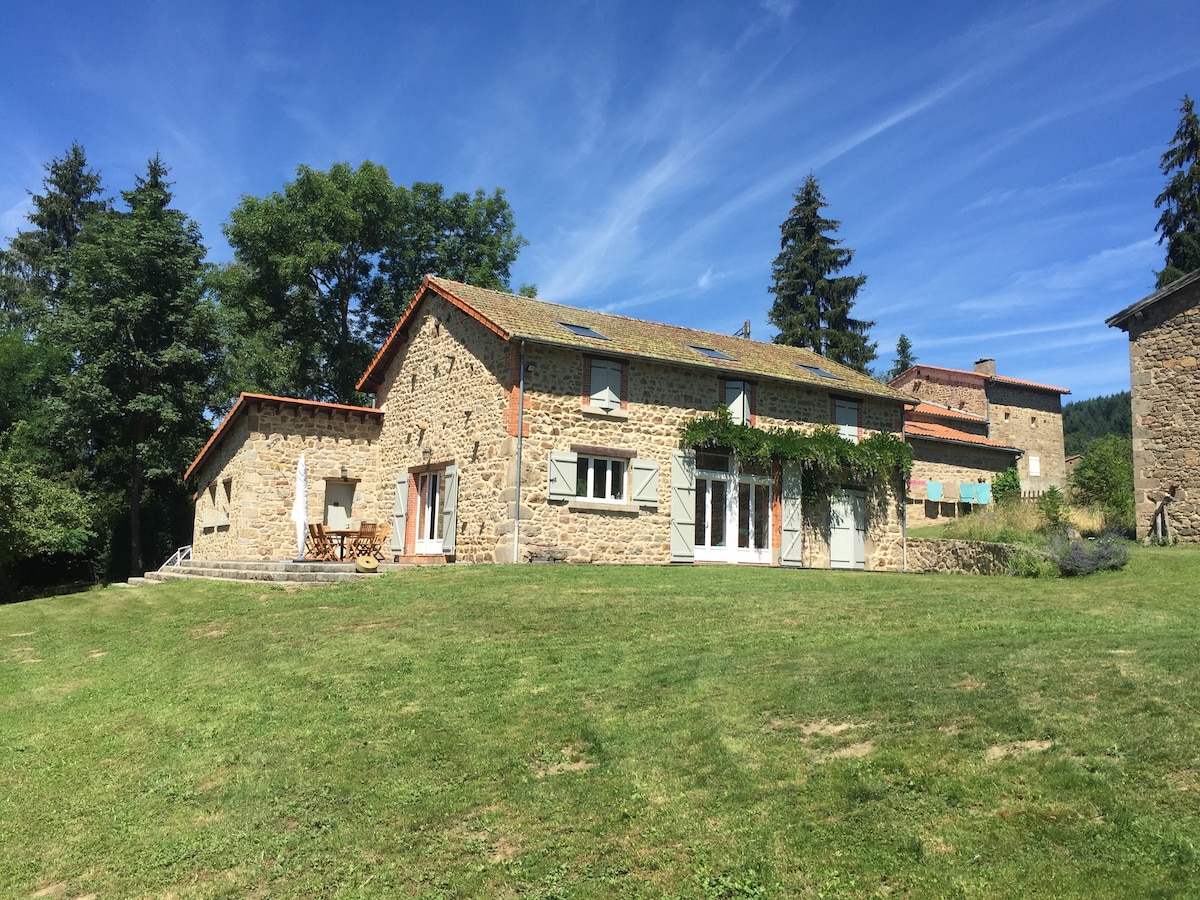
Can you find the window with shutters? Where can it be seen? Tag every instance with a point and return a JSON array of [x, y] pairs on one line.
[[597, 478], [594, 476], [847, 417], [604, 385], [738, 395]]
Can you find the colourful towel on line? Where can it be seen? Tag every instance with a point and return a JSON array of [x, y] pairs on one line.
[[966, 492], [933, 490]]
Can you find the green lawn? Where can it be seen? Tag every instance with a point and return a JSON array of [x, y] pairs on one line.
[[554, 731]]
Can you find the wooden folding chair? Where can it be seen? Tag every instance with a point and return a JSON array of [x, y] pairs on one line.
[[381, 537], [319, 545], [363, 543]]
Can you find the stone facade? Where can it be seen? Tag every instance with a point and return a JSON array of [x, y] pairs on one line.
[[1164, 349], [1017, 414], [438, 457], [247, 486], [952, 465]]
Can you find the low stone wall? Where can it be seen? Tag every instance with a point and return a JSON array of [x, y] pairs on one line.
[[959, 557]]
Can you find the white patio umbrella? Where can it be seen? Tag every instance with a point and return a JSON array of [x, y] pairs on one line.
[[300, 505]]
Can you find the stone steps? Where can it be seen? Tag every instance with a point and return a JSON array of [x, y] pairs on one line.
[[283, 571]]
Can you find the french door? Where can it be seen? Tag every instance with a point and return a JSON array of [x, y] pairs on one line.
[[733, 517]]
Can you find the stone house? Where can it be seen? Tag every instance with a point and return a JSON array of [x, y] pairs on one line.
[[1164, 346], [969, 426], [506, 429]]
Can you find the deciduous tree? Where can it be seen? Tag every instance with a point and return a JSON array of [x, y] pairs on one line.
[[813, 304], [1179, 224], [324, 269]]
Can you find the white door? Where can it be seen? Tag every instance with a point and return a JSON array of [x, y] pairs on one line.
[[733, 517], [848, 530], [430, 496]]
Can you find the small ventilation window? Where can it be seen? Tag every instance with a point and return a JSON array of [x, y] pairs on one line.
[[817, 370], [710, 352], [583, 331]]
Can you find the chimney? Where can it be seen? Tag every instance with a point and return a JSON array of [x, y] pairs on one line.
[[985, 366]]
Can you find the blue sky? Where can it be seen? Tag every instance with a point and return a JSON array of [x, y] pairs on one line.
[[994, 165]]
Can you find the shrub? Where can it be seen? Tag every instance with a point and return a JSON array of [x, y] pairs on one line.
[[1075, 557], [1030, 562], [1053, 507], [1007, 484], [1104, 478]]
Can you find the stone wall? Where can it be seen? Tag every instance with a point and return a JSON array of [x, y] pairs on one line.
[[1164, 350], [1032, 420], [661, 398], [444, 401], [250, 483], [953, 465], [964, 391], [959, 557]]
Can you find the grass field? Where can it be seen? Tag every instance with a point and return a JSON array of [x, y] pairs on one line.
[[553, 731]]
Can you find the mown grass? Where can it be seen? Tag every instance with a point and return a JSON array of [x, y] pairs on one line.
[[608, 732]]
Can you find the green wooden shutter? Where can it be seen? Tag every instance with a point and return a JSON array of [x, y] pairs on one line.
[[562, 475], [792, 546], [683, 506], [450, 509], [645, 481], [400, 513]]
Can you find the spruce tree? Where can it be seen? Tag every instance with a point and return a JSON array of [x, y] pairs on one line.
[[812, 307], [1179, 224], [143, 344], [904, 360]]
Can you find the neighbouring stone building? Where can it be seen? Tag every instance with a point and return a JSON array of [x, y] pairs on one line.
[[506, 429], [969, 426], [1164, 375]]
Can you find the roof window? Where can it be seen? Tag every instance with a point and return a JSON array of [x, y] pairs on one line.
[[817, 370], [710, 352], [583, 331]]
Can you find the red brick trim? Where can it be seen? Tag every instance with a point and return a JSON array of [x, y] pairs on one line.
[[587, 377], [512, 409]]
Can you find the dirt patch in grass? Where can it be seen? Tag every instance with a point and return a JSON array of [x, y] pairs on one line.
[[210, 630], [854, 751], [1185, 780], [1016, 748], [570, 758]]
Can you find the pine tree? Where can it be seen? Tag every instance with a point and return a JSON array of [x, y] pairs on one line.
[[904, 359], [811, 308], [143, 344], [1179, 224]]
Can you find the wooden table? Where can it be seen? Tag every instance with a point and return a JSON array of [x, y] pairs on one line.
[[341, 534]]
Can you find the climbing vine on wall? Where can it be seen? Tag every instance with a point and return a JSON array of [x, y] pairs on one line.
[[829, 460]]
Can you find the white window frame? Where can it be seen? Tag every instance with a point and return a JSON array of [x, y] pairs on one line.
[[605, 384], [1035, 467], [614, 489]]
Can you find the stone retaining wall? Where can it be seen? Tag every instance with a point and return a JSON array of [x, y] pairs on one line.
[[959, 557]]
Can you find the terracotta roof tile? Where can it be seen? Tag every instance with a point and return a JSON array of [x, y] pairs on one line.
[[944, 412], [981, 375], [936, 432], [516, 318]]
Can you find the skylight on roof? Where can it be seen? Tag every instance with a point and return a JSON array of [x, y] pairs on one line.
[[583, 331], [710, 352], [817, 370]]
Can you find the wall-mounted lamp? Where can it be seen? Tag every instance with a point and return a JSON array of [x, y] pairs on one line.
[[343, 470], [426, 454]]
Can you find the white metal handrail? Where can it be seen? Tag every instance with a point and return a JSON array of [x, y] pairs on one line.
[[183, 553]]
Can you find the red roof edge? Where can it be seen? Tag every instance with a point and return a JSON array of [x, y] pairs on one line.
[[1000, 378], [372, 378], [245, 399]]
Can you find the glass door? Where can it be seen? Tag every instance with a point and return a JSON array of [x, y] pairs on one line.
[[430, 494], [733, 513]]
